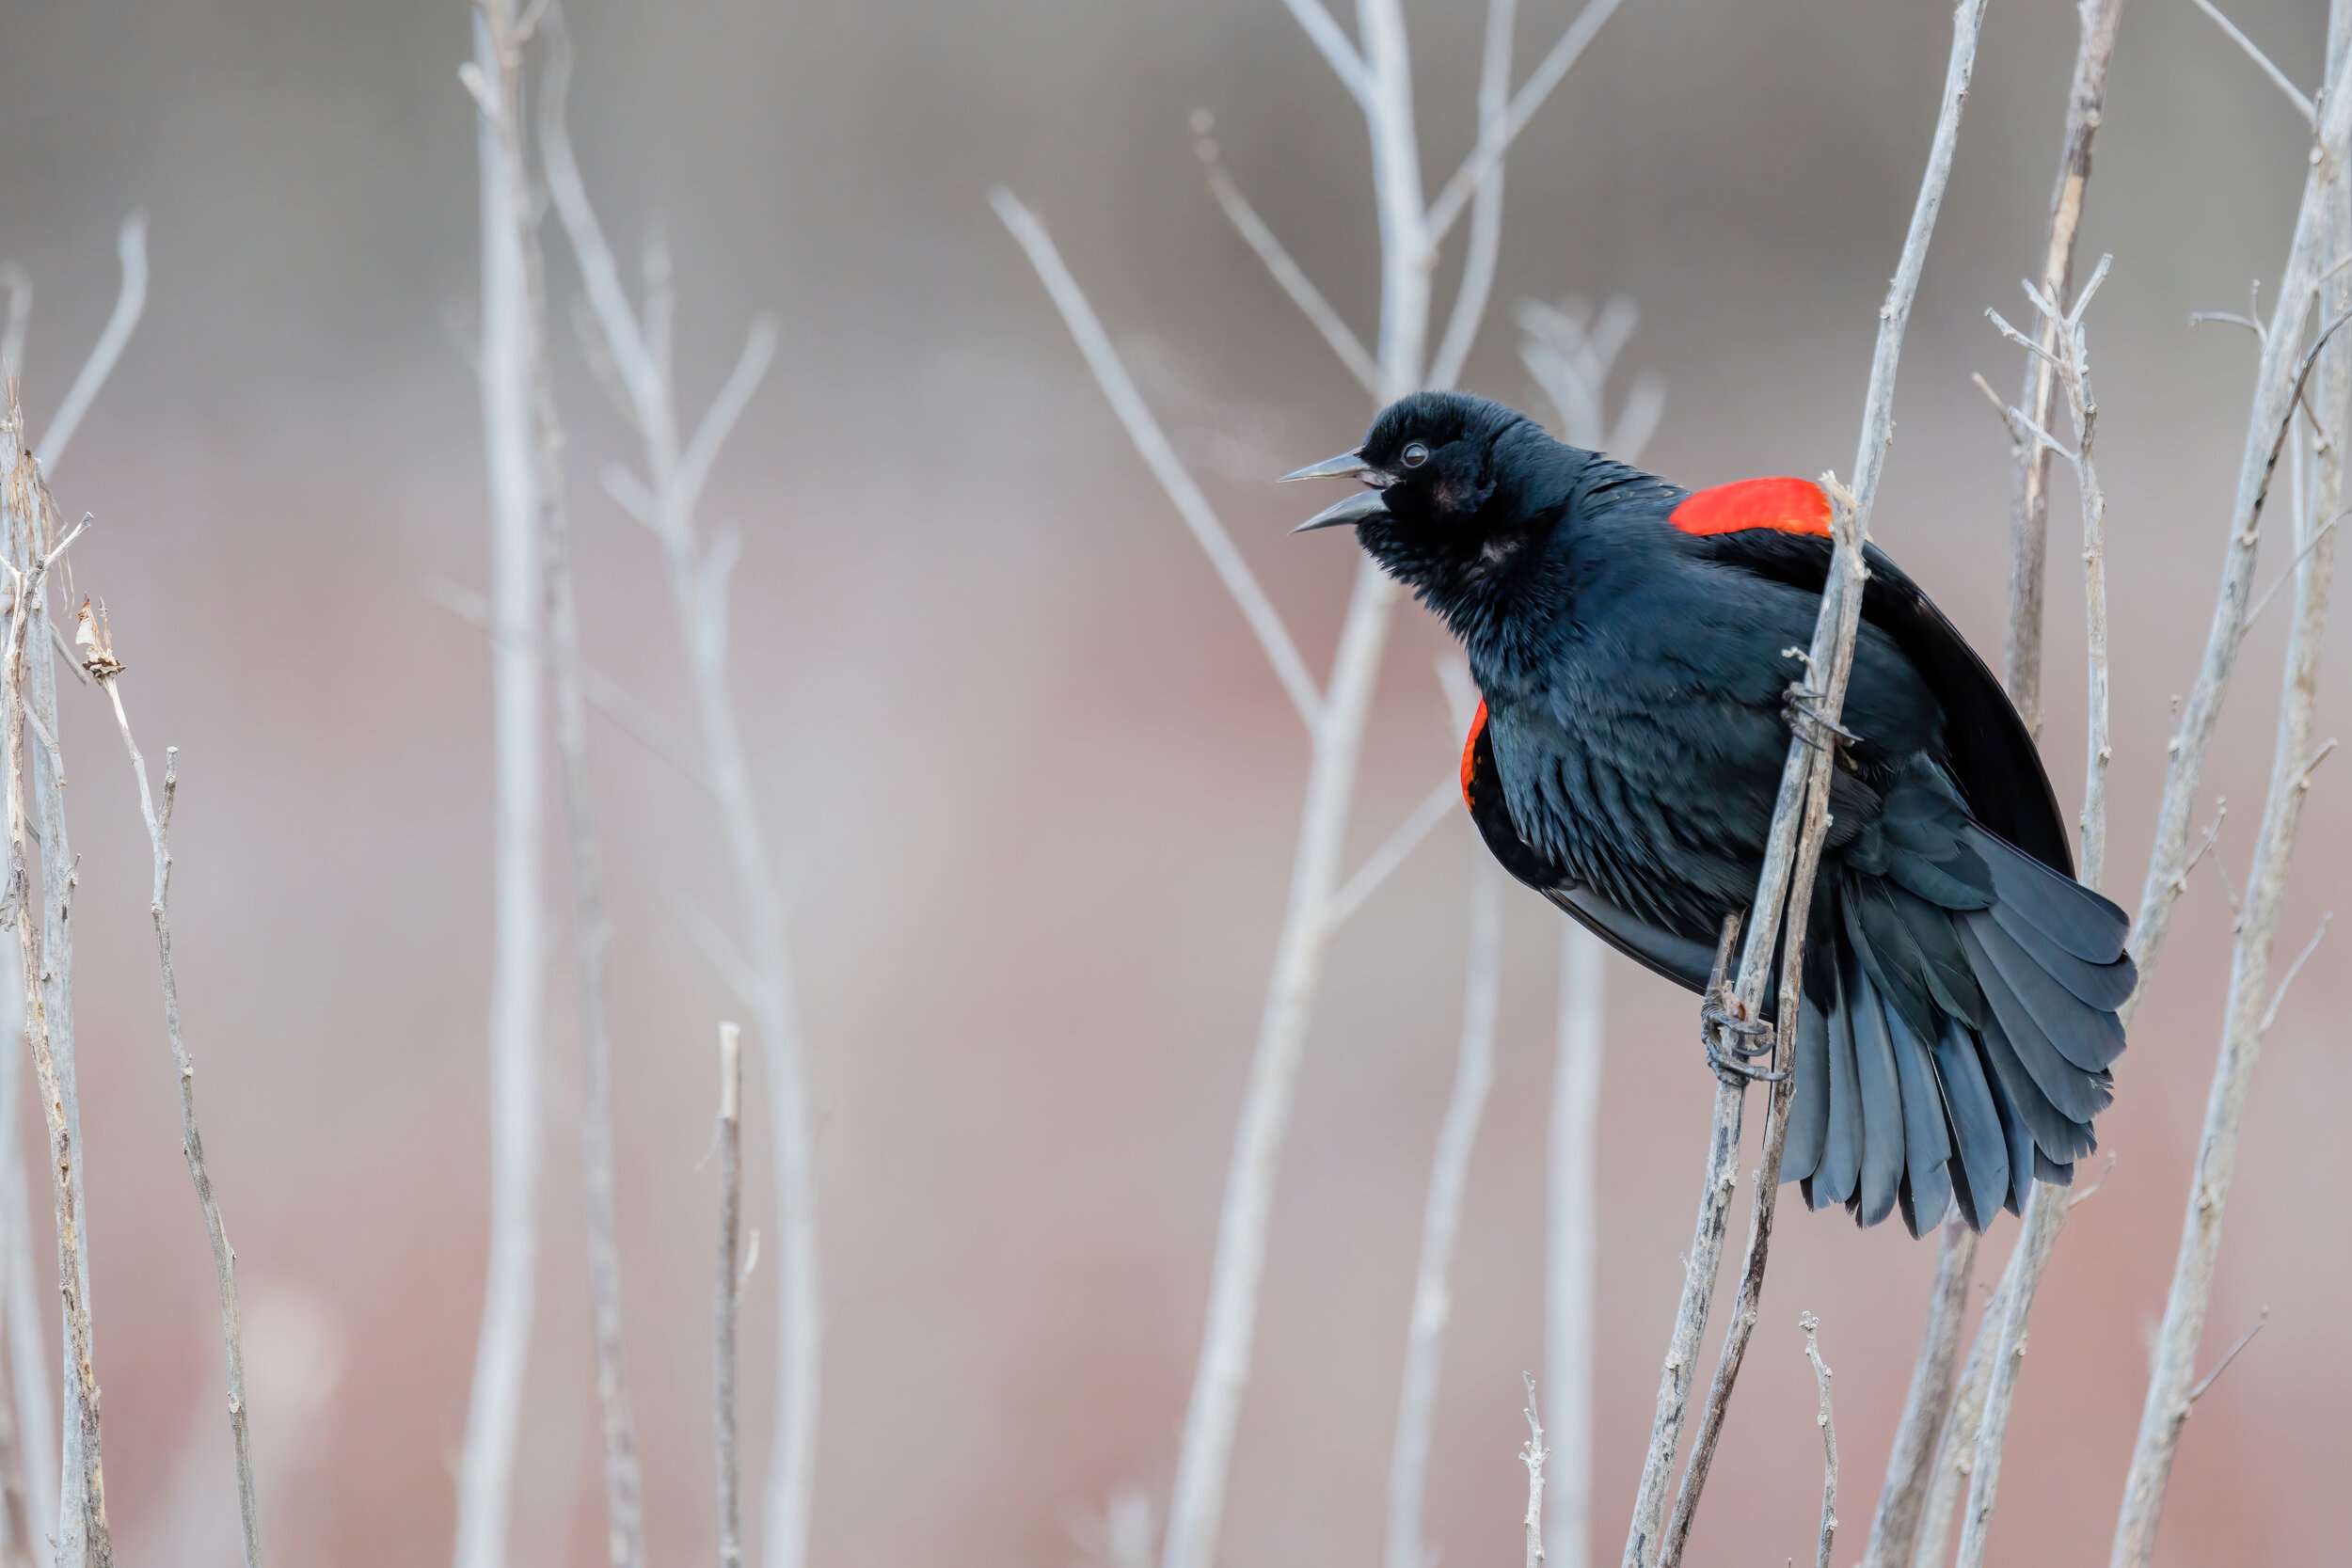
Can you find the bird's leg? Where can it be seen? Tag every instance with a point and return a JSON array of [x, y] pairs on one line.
[[1801, 704], [1809, 722], [1729, 1039]]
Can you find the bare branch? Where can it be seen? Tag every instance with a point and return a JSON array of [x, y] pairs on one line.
[[2229, 1356], [1533, 1456], [1288, 273], [1394, 850], [1792, 851], [519, 946], [130, 249], [1486, 241], [2288, 576], [1151, 443], [2279, 78], [2277, 381], [1492, 145], [1829, 1437], [1573, 1223], [2270, 1013], [2030, 490], [1345, 63], [46, 951], [759, 351], [632, 357], [2045, 1213], [108, 671], [2323, 235], [727, 1293], [1895, 1525], [1442, 1220]]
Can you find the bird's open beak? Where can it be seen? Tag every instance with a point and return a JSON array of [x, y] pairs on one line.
[[1356, 508]]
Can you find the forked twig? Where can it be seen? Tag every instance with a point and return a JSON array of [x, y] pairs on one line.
[[1800, 821], [1811, 1325], [108, 672]]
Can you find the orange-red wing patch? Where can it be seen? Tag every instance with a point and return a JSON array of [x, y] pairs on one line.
[[1470, 752], [1791, 505]]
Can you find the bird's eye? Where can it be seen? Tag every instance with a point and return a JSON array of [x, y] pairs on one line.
[[1415, 455]]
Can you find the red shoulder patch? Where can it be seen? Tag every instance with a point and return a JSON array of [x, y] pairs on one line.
[[1791, 505], [1470, 753]]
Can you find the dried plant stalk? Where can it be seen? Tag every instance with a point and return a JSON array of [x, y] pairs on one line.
[[103, 666]]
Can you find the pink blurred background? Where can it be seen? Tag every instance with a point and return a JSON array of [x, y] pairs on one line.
[[1034, 789]]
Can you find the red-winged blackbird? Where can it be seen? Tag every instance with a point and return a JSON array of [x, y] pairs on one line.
[[1631, 640]]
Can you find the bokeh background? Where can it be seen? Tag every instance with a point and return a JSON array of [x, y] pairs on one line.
[[1034, 787]]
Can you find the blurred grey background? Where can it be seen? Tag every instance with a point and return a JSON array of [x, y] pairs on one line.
[[1035, 789]]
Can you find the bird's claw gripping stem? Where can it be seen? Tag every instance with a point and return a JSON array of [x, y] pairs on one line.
[[1728, 1049], [1809, 722]]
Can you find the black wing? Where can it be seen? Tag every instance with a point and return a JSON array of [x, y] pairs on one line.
[[1687, 963], [1987, 748]]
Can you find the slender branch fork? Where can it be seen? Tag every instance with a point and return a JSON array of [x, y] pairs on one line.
[[637, 350], [82, 1533], [1377, 74], [103, 666], [2323, 246], [1533, 1456], [536, 436], [1800, 822], [2047, 1206], [1829, 1437]]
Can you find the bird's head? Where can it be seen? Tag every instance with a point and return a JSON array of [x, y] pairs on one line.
[[1453, 490]]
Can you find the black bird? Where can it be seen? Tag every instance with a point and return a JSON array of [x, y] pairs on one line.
[[1628, 639]]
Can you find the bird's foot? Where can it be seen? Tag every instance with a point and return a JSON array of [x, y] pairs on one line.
[[1733, 1043], [1811, 724]]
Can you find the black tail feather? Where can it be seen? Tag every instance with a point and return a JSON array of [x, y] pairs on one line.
[[1882, 1101], [1957, 1033]]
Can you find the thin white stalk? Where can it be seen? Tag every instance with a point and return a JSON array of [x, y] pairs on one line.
[[2046, 1214], [1286, 272], [1205, 1456], [1571, 353], [697, 580], [485, 1465], [1159, 454], [1525, 103], [191, 1142], [1800, 821], [27, 677], [29, 1364], [1485, 238], [1574, 1223], [1348, 66], [2273, 401], [131, 251], [2278, 79], [1829, 1437], [1956, 1444], [1895, 1524], [1436, 807], [1441, 1221], [727, 1291], [2030, 511], [1406, 257], [1533, 1456], [1911, 1466], [2174, 1364]]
